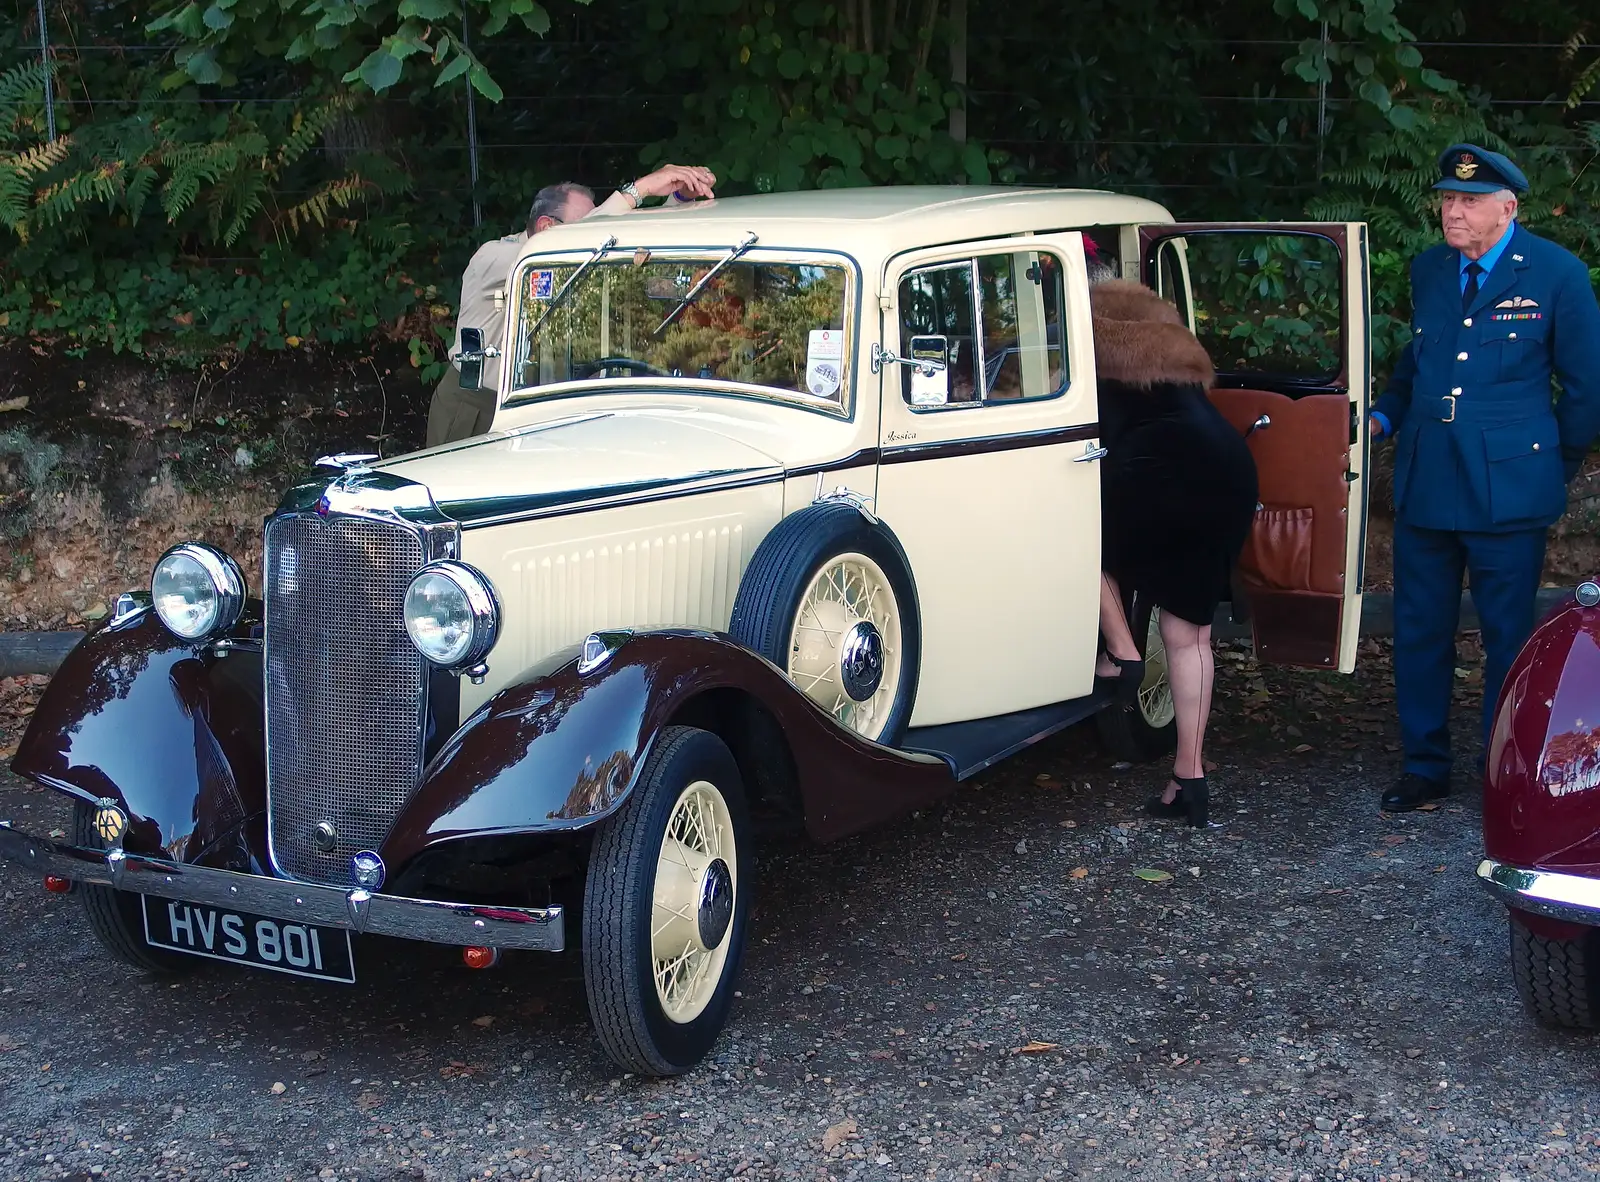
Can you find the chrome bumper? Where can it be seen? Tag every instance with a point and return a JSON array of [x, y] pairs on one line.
[[1568, 897], [540, 928]]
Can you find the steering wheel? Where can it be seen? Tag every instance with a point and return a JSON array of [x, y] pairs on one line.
[[604, 366]]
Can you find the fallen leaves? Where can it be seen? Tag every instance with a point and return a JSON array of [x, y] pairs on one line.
[[486, 1021], [1080, 872], [456, 1069], [1035, 1047], [11, 404], [279, 1089], [838, 1134], [1152, 875]]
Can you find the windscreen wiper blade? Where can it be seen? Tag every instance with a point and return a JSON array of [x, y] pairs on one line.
[[693, 293], [595, 256]]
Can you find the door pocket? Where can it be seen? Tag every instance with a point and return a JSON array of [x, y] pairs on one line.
[[1277, 554]]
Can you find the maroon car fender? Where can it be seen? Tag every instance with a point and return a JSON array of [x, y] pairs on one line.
[[562, 750], [168, 730], [1541, 807]]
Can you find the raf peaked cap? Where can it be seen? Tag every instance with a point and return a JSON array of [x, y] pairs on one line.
[[1467, 168]]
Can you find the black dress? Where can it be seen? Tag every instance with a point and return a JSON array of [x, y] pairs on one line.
[[1178, 494]]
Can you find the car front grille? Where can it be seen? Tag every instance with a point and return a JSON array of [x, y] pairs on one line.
[[345, 688]]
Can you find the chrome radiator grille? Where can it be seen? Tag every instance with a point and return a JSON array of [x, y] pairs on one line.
[[345, 688]]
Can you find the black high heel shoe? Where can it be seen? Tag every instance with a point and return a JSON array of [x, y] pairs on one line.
[[1192, 802], [1128, 681]]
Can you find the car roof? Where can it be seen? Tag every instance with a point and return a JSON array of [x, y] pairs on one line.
[[882, 220]]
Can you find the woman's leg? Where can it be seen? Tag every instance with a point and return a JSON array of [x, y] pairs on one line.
[[1114, 627], [1191, 668]]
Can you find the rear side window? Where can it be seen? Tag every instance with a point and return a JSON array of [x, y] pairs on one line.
[[1000, 320]]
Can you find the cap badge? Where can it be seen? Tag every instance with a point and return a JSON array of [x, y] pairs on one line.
[[1466, 166]]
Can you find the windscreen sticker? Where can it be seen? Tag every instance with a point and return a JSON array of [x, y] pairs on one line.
[[824, 361], [541, 284]]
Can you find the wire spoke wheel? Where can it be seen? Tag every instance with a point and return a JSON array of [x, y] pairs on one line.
[[697, 876], [1155, 691], [833, 659]]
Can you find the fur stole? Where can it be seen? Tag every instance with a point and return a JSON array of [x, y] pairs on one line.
[[1140, 339]]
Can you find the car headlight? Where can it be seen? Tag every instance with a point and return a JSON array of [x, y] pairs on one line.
[[452, 615], [197, 590]]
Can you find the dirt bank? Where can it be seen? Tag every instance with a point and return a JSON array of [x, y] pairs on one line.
[[105, 461]]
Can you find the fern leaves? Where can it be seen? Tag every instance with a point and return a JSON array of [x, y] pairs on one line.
[[217, 187]]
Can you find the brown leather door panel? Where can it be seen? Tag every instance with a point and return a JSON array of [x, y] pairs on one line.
[[1292, 565]]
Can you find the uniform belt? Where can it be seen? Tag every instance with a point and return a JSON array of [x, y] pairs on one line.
[[1485, 412]]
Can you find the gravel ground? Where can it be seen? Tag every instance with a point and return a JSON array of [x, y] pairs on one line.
[[986, 990]]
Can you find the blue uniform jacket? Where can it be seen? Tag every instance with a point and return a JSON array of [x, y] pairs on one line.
[[1481, 444]]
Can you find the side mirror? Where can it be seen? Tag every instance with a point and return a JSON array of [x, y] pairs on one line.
[[471, 356], [930, 370]]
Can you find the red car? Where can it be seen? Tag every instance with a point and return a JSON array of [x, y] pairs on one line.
[[1541, 814]]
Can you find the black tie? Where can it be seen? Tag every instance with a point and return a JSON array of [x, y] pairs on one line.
[[1471, 292]]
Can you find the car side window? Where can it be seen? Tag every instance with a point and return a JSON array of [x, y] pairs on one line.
[[938, 301], [1001, 318]]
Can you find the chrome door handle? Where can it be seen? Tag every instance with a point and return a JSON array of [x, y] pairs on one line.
[[1091, 453]]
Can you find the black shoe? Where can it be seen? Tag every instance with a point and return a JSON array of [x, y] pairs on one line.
[[1127, 682], [1411, 791], [1192, 802]]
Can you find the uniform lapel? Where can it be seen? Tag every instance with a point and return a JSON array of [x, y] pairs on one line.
[[1504, 276]]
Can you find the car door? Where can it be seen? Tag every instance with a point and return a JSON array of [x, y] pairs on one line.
[[988, 473], [1283, 310]]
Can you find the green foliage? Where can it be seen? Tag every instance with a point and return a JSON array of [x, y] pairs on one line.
[[1387, 182], [809, 95], [221, 39], [1268, 303]]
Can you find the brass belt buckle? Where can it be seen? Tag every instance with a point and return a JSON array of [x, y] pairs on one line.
[[1452, 399]]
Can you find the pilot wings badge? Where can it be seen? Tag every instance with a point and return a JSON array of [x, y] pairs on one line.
[[1518, 302]]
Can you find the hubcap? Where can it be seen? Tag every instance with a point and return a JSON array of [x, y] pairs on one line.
[[844, 649], [861, 661], [1155, 691], [716, 903], [697, 883]]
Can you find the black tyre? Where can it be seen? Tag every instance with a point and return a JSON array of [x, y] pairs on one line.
[[1559, 979], [1148, 730], [665, 907], [116, 917], [829, 599]]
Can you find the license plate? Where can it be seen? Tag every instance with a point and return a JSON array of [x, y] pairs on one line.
[[302, 949]]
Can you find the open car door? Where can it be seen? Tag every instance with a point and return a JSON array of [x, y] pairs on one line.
[[1283, 310]]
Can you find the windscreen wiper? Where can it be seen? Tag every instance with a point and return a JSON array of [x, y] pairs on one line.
[[595, 256], [693, 293]]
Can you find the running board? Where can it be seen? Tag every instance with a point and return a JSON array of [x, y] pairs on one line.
[[970, 747]]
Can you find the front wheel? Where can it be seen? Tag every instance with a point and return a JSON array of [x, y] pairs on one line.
[[1559, 980], [1147, 729], [117, 917], [665, 907]]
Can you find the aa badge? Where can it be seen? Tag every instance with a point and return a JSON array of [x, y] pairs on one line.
[[110, 822]]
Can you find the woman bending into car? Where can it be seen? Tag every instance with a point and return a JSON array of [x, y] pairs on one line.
[[1178, 492]]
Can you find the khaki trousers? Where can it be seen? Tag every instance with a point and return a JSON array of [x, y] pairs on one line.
[[457, 413]]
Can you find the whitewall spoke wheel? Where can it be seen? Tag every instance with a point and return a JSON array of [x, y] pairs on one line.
[[665, 904], [697, 879]]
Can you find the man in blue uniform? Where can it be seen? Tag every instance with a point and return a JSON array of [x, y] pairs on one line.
[[1483, 450]]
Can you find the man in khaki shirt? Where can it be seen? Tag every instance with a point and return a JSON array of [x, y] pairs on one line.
[[458, 413]]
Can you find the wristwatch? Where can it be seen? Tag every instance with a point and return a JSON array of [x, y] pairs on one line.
[[631, 191]]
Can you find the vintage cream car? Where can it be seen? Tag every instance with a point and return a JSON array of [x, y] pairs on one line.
[[791, 503]]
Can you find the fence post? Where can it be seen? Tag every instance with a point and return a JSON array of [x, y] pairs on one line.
[[49, 81], [1322, 99], [472, 125]]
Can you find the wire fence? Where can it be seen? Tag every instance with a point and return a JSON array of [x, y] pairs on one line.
[[1293, 120]]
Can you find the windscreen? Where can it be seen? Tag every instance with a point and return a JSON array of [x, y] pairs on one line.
[[776, 326]]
